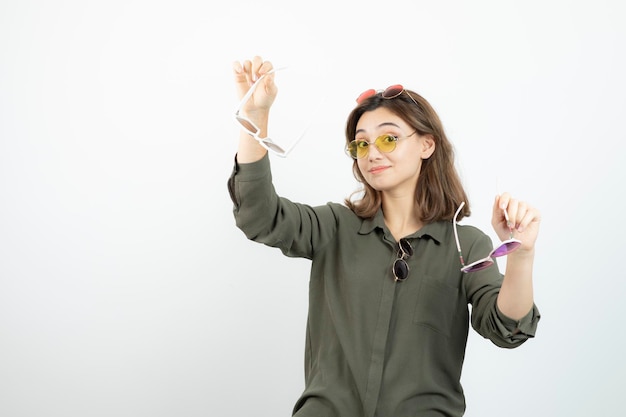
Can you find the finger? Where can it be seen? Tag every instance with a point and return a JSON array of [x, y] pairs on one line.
[[242, 77], [520, 213], [257, 63], [239, 72], [265, 68], [511, 211], [251, 69], [503, 201], [532, 215], [500, 207], [247, 69]]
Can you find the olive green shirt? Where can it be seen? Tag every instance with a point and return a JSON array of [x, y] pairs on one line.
[[374, 346]]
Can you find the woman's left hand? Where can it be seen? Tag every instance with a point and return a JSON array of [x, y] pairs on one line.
[[523, 220]]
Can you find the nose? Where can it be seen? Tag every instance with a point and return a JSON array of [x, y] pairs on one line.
[[373, 152]]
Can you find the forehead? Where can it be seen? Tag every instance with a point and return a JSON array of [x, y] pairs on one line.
[[379, 119]]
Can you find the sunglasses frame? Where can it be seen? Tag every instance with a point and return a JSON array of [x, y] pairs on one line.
[[244, 121], [374, 142], [504, 248]]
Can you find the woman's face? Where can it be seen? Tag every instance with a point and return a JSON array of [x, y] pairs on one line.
[[398, 170]]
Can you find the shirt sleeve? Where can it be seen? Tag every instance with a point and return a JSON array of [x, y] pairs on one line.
[[514, 331], [264, 217], [482, 288]]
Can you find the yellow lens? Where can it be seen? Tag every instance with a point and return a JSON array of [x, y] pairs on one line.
[[352, 149], [358, 149], [386, 143], [362, 148]]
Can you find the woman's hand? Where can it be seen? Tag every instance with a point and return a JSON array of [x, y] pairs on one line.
[[515, 299], [256, 108], [247, 73], [523, 221]]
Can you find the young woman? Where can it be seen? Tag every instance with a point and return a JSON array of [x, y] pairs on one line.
[[390, 287]]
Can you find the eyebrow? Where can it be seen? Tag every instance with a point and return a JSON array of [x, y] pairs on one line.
[[380, 125]]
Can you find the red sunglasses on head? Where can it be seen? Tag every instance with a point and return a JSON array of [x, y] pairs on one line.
[[390, 92]]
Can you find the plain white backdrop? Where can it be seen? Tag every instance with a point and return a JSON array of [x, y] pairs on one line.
[[127, 290]]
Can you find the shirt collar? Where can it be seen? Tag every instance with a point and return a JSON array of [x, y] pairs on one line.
[[436, 230]]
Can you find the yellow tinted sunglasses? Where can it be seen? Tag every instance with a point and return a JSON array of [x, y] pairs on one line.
[[386, 143]]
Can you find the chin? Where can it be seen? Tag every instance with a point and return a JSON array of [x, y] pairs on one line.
[[380, 185]]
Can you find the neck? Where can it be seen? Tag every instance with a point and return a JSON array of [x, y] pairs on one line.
[[401, 215]]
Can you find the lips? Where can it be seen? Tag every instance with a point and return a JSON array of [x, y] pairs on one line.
[[378, 169]]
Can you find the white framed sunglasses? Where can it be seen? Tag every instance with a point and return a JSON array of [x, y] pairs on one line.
[[253, 130], [503, 249]]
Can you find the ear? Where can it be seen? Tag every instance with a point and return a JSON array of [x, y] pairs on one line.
[[428, 146]]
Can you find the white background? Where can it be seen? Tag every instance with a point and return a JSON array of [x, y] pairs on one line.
[[127, 290]]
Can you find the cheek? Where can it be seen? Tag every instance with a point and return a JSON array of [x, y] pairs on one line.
[[361, 164], [408, 164], [362, 167]]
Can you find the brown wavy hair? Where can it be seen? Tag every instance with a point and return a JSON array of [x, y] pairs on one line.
[[439, 190]]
